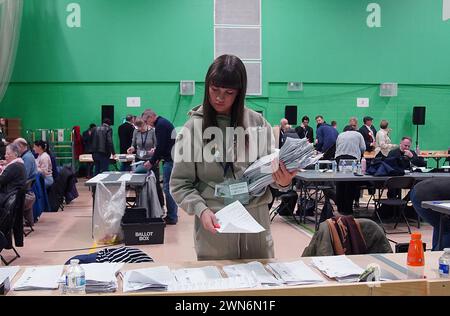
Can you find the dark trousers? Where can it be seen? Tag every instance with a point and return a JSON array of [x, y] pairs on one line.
[[171, 206], [346, 192], [101, 162]]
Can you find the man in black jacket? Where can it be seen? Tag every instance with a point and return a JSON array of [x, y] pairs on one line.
[[305, 131], [87, 146], [369, 133], [13, 174], [407, 156], [102, 146], [165, 140], [125, 138]]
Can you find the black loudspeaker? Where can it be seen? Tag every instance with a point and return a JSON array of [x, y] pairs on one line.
[[290, 113], [419, 115], [108, 112]]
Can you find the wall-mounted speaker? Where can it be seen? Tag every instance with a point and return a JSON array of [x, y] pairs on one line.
[[108, 112], [418, 115], [290, 113]]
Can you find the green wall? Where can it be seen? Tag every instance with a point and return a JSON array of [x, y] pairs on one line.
[[144, 48]]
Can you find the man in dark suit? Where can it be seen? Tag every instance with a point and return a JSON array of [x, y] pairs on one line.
[[125, 138], [369, 133], [305, 131]]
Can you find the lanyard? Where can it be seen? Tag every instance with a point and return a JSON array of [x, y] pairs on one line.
[[144, 140]]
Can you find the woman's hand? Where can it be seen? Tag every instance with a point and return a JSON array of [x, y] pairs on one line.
[[130, 150], [151, 151], [282, 176], [209, 221]]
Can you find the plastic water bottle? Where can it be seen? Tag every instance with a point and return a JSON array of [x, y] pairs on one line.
[[415, 259], [358, 168], [363, 165], [334, 166], [75, 278], [444, 262], [353, 166], [316, 167]]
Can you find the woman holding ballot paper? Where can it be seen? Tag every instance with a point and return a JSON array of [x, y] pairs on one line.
[[219, 141], [143, 144]]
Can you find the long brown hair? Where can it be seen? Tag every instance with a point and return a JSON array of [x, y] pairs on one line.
[[227, 71]]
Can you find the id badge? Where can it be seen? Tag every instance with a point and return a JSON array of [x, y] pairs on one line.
[[233, 190], [142, 153]]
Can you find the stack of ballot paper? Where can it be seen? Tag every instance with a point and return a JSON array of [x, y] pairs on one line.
[[197, 274], [238, 282], [255, 269], [101, 277], [294, 273], [8, 273], [39, 278], [148, 279], [295, 153], [234, 218], [339, 267], [207, 278]]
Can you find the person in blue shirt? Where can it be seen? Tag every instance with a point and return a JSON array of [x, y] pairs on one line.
[[28, 159], [326, 138]]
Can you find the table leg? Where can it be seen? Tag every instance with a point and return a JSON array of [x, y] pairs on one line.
[[316, 209], [441, 226], [93, 208]]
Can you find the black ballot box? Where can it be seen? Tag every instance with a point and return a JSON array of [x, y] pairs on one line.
[[140, 230]]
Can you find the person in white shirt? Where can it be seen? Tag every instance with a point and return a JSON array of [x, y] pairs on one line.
[[383, 141], [43, 161]]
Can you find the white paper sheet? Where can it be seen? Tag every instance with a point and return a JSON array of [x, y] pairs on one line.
[[8, 272], [215, 284], [98, 178], [255, 269], [296, 272], [197, 274], [101, 272], [126, 177], [153, 279], [234, 218], [444, 204], [39, 278], [337, 266]]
